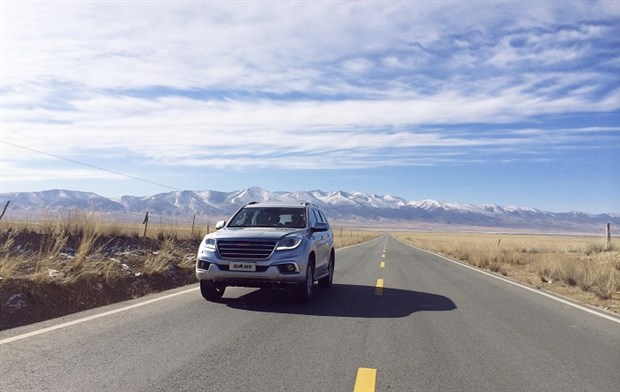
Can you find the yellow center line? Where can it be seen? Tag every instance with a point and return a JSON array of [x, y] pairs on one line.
[[382, 265], [379, 288], [366, 379]]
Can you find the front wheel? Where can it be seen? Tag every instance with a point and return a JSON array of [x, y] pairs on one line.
[[304, 290], [210, 291], [326, 281]]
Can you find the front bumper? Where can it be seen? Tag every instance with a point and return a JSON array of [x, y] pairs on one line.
[[264, 276]]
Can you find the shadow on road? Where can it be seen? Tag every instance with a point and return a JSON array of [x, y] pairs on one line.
[[342, 300]]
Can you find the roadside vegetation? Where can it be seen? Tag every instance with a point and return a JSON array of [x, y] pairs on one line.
[[583, 268], [56, 266]]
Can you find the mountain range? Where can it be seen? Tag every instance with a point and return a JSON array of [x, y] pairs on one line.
[[345, 208]]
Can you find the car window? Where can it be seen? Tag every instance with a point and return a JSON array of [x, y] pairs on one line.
[[317, 213], [241, 219], [313, 219], [270, 217]]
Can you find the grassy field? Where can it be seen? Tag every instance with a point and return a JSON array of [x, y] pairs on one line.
[[65, 250], [584, 268]]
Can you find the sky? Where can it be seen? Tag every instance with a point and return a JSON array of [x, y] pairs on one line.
[[514, 103]]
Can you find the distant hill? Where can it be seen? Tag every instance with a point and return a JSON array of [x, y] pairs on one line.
[[348, 208]]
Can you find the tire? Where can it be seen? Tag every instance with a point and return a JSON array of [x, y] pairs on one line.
[[326, 281], [210, 291], [304, 290]]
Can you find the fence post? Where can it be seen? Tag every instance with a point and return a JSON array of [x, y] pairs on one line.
[[145, 223], [5, 207], [193, 223], [608, 233]]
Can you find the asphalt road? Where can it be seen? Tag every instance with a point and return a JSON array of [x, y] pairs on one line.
[[434, 325]]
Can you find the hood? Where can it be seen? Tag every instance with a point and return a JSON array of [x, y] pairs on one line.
[[251, 232]]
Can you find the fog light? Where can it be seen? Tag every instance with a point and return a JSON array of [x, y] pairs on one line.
[[289, 268]]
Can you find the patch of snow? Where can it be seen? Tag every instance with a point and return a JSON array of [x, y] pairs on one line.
[[16, 302], [429, 204], [55, 273]]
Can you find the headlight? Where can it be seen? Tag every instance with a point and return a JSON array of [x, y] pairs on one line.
[[290, 242], [209, 243]]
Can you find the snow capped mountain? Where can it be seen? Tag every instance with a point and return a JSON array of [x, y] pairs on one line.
[[338, 199], [340, 206], [248, 195], [58, 199], [429, 205]]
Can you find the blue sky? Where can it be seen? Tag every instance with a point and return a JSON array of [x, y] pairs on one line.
[[513, 103]]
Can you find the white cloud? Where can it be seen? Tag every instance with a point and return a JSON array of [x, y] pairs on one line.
[[358, 83], [188, 45]]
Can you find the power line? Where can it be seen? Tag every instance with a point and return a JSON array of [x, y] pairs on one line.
[[89, 165]]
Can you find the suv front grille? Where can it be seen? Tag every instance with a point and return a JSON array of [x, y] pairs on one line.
[[246, 249]]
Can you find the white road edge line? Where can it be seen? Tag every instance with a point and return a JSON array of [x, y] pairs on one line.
[[93, 317], [512, 282]]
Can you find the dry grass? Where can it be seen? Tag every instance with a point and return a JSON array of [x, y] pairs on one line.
[[160, 261], [347, 237], [76, 221], [76, 247], [585, 267], [9, 262]]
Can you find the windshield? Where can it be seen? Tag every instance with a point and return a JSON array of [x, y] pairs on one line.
[[270, 217]]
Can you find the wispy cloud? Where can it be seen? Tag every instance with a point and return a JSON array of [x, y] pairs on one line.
[[24, 175]]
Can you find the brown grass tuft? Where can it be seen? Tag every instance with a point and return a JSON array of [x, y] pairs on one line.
[[9, 262], [161, 260]]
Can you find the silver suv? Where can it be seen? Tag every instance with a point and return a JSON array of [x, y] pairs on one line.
[[268, 245]]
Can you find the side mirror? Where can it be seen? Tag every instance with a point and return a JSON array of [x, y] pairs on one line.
[[318, 226], [220, 224]]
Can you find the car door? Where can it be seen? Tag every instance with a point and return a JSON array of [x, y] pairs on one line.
[[322, 242], [329, 236], [328, 239]]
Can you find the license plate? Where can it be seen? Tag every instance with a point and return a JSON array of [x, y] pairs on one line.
[[240, 266]]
